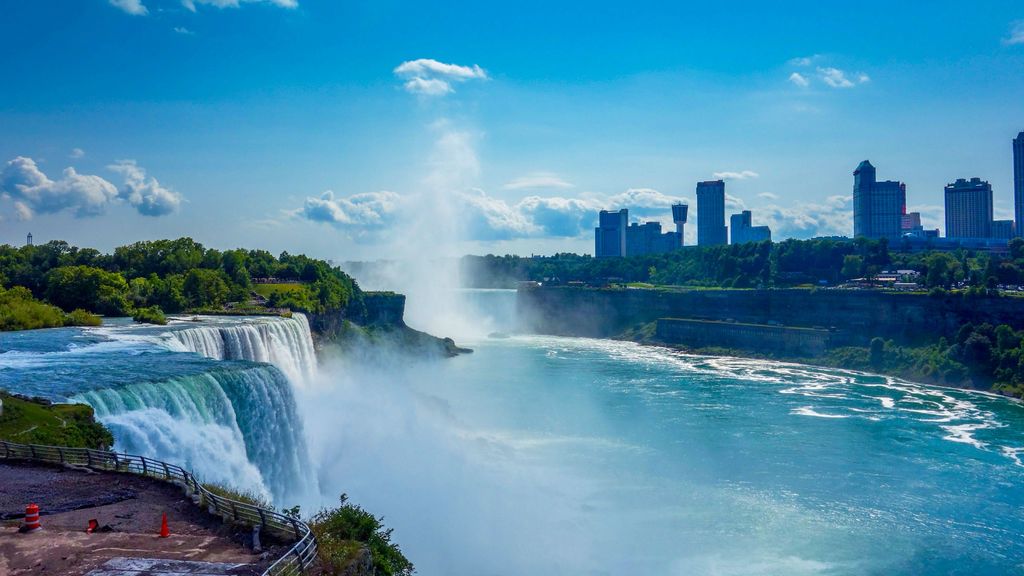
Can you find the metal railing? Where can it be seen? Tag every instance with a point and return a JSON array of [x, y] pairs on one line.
[[300, 558]]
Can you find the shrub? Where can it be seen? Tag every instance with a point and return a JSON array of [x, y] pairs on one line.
[[340, 531], [150, 315], [80, 317]]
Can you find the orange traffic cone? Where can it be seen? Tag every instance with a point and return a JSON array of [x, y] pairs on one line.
[[164, 530]]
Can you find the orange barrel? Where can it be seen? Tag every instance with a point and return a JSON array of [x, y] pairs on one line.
[[32, 519]]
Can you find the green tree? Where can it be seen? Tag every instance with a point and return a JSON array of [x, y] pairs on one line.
[[203, 288]]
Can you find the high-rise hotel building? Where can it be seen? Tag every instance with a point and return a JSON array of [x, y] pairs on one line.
[[878, 207], [711, 230]]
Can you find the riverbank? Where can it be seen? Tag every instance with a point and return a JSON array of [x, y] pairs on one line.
[[970, 342], [921, 364]]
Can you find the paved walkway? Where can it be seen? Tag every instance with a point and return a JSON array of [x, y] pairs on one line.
[[128, 509]]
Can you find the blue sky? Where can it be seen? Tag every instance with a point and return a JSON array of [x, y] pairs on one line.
[[350, 129]]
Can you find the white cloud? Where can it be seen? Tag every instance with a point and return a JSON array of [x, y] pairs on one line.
[[741, 175], [768, 196], [428, 86], [191, 4], [481, 217], [33, 192], [76, 153], [733, 203], [537, 180], [834, 217], [184, 31], [133, 7], [799, 79], [837, 78], [365, 210], [804, 60], [433, 78], [1016, 34], [144, 193]]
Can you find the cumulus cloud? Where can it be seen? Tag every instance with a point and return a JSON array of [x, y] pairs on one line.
[[768, 196], [799, 79], [191, 4], [133, 7], [834, 217], [741, 175], [365, 210], [433, 78], [76, 153], [837, 78], [1016, 34], [34, 193], [482, 217], [143, 192], [537, 180]]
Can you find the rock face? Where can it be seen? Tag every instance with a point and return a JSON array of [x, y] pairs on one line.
[[376, 328], [361, 565], [859, 315]]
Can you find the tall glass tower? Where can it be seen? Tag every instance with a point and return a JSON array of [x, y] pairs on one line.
[[1018, 183]]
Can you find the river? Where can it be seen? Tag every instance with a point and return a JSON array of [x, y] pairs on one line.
[[545, 455]]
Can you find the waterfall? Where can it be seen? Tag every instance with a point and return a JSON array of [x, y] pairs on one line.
[[237, 426], [284, 342]]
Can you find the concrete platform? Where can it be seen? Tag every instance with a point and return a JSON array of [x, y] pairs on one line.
[[128, 510]]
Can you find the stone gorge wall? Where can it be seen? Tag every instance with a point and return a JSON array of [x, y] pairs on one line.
[[859, 315]]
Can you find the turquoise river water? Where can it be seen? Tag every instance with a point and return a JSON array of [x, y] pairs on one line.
[[545, 455]]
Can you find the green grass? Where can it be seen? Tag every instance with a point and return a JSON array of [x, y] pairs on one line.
[[29, 421], [266, 290], [245, 496]]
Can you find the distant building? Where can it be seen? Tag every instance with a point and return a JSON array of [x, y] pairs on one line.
[[878, 207], [742, 229], [610, 234], [910, 221], [1018, 183], [647, 238], [711, 230], [1002, 229], [969, 209], [679, 213], [615, 237], [28, 240]]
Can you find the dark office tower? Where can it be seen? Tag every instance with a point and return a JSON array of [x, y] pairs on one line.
[[1018, 183], [878, 207], [711, 230], [610, 234], [969, 209]]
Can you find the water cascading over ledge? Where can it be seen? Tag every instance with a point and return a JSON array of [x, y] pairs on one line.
[[237, 426], [284, 342]]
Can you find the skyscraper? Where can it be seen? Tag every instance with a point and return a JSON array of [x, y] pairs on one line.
[[878, 207], [742, 230], [610, 234], [711, 230], [1018, 183], [969, 209]]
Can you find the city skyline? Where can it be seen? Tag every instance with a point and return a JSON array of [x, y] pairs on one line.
[[321, 146]]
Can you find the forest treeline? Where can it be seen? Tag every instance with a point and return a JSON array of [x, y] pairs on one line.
[[42, 282], [756, 265]]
